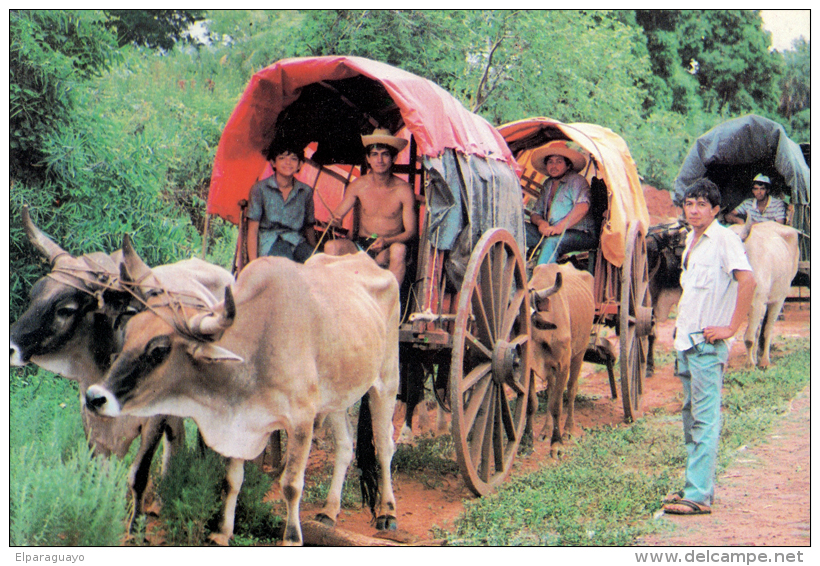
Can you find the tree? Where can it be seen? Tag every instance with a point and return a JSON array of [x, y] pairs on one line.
[[795, 85], [152, 28], [51, 51], [726, 51]]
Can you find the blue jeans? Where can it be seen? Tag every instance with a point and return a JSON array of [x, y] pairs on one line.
[[572, 240], [700, 370]]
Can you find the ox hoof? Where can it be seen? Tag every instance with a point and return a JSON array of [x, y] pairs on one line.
[[325, 520], [386, 523], [219, 539]]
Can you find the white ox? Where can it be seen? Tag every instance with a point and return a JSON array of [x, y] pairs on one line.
[[298, 343], [773, 254], [72, 327], [561, 327]]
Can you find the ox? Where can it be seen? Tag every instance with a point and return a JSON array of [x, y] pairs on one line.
[[773, 254], [561, 326], [71, 328], [664, 247], [296, 344]]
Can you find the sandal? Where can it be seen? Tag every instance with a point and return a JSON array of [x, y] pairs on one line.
[[686, 507], [673, 496]]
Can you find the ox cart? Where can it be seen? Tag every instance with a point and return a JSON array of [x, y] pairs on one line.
[[619, 262], [465, 300], [732, 153]]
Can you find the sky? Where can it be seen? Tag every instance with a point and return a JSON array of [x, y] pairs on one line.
[[786, 26]]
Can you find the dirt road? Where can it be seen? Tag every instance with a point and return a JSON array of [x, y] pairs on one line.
[[762, 499]]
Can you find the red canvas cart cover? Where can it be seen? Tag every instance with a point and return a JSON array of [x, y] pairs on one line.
[[614, 165], [435, 119]]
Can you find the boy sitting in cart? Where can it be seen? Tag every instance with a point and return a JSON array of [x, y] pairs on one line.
[[387, 207], [280, 215]]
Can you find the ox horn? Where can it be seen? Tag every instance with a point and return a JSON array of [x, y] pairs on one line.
[[212, 325], [544, 293], [747, 228], [136, 268], [45, 245]]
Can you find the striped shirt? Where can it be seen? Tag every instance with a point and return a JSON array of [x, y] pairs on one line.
[[775, 210]]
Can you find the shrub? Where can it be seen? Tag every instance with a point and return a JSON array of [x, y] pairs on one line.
[[191, 494], [59, 494]]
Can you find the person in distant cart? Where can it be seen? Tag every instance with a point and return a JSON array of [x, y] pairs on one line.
[[281, 213], [387, 205], [762, 207], [562, 211], [718, 286]]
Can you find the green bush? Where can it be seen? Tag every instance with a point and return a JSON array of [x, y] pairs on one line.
[[59, 495], [192, 495]]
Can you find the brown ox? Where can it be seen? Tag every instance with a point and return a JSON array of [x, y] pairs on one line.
[[561, 327], [72, 327], [773, 254], [298, 343]]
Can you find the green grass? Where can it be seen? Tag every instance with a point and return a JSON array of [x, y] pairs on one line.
[[607, 490], [59, 495]]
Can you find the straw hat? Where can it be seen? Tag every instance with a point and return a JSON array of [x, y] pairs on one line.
[[382, 135], [540, 155]]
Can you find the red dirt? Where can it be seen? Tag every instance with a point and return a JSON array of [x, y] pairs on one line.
[[762, 499], [659, 203]]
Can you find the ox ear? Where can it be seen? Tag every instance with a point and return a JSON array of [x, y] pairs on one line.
[[39, 240], [211, 353]]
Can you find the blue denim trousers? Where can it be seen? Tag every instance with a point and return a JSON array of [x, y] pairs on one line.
[[572, 240], [700, 370]]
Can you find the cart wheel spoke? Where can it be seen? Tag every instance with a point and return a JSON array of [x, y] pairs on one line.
[[481, 379], [477, 344]]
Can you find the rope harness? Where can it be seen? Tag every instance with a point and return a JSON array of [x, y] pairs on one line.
[[84, 279]]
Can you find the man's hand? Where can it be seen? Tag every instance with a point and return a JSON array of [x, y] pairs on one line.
[[714, 333], [546, 230], [378, 245]]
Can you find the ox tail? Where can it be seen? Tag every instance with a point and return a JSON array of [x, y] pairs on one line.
[[366, 456]]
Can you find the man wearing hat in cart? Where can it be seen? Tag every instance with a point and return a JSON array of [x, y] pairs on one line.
[[387, 207], [762, 207], [561, 213]]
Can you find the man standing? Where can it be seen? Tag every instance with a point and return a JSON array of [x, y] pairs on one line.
[[561, 213], [387, 207], [718, 285]]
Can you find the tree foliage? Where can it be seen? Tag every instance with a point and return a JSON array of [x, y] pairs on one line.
[[152, 28], [795, 89], [50, 53], [726, 51], [105, 141]]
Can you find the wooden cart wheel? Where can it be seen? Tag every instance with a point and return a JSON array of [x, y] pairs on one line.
[[635, 321], [490, 367]]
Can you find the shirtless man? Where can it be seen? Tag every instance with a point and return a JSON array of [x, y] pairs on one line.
[[387, 204]]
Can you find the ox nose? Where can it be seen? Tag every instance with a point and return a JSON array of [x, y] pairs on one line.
[[97, 401], [16, 356]]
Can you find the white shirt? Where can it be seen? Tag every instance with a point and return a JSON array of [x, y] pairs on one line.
[[709, 287]]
